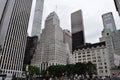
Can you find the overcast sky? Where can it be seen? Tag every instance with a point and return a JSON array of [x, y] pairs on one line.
[[92, 11]]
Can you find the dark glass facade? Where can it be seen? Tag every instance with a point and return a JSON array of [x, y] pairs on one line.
[[77, 30], [30, 49], [78, 40]]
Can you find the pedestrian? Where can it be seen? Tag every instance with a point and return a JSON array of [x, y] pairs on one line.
[[95, 78], [118, 77], [81, 78], [107, 78]]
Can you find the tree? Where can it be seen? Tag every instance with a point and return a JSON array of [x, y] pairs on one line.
[[57, 70], [33, 70], [24, 67], [91, 69], [43, 72], [80, 68], [70, 69]]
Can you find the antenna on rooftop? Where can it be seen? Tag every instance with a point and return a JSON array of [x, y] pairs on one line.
[[56, 8]]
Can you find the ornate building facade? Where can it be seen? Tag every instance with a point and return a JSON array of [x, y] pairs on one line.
[[51, 49]]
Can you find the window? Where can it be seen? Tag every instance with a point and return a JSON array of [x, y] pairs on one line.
[[88, 55], [100, 67], [93, 54], [94, 60], [99, 60], [99, 57], [94, 57], [101, 71], [105, 63], [106, 71], [79, 53], [100, 63], [88, 52], [84, 56], [103, 53], [98, 50], [83, 53], [105, 66]]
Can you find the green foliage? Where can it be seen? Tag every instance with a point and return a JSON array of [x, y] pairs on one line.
[[57, 70], [91, 69], [70, 69], [43, 72], [80, 68], [24, 67], [33, 70]]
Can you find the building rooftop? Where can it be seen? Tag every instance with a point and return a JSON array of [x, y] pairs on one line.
[[107, 30], [117, 30], [92, 45], [52, 14]]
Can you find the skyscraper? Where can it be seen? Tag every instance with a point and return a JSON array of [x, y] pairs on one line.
[[51, 50], [117, 5], [108, 21], [13, 35], [77, 29], [36, 27], [2, 6], [2, 9], [30, 49]]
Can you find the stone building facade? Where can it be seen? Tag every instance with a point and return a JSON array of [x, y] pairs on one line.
[[51, 50], [97, 54]]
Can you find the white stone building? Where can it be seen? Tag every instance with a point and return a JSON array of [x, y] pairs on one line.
[[51, 49], [108, 40], [112, 39], [97, 54]]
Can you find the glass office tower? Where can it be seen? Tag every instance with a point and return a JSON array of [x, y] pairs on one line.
[[77, 29]]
